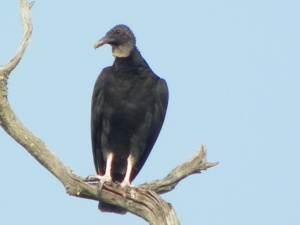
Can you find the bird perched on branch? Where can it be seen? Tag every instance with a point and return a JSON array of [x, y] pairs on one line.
[[129, 104]]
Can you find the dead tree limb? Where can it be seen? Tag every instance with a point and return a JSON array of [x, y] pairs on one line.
[[143, 201]]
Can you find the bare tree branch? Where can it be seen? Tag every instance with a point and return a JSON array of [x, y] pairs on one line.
[[142, 200], [195, 165], [27, 27]]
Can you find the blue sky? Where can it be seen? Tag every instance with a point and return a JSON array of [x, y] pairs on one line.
[[233, 71]]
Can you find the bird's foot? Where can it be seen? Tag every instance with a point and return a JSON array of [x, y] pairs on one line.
[[101, 179], [125, 184], [105, 178], [93, 178]]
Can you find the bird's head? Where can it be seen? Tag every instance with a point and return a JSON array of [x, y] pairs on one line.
[[120, 38]]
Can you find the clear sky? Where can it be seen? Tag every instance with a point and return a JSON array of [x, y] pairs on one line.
[[233, 71]]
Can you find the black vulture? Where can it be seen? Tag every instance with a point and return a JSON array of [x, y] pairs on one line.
[[129, 104]]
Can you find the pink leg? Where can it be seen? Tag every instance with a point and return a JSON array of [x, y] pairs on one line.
[[126, 181], [107, 175], [108, 166]]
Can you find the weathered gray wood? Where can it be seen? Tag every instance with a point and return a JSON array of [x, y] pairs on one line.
[[143, 201], [195, 165]]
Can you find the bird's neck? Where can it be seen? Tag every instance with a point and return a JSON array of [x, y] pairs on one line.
[[134, 62]]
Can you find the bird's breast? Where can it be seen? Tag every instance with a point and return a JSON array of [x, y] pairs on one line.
[[128, 101]]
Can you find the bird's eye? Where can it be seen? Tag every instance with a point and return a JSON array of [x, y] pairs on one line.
[[118, 31]]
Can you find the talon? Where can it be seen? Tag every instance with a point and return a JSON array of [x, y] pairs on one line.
[[125, 184], [92, 178], [101, 179]]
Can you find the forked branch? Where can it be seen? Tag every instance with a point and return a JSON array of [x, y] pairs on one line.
[[143, 201]]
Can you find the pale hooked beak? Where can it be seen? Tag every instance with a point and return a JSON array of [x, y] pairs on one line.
[[102, 41]]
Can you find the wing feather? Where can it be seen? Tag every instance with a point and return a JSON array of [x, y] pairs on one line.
[[160, 108], [96, 124]]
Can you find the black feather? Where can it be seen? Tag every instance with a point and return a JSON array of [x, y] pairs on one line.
[[129, 104]]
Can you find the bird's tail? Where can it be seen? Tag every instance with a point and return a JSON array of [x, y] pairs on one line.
[[105, 207]]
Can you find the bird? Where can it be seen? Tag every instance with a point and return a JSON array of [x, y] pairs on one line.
[[129, 105]]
